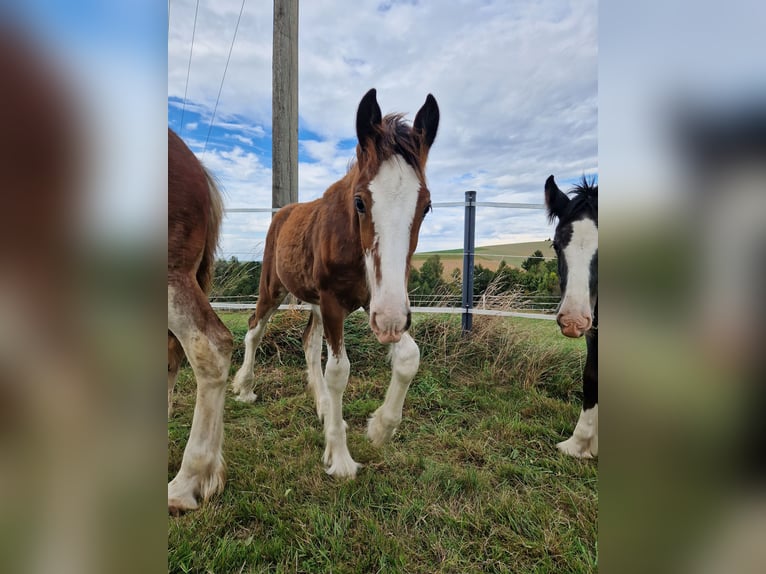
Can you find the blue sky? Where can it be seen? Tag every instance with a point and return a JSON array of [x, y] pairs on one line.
[[230, 132], [516, 84], [137, 26]]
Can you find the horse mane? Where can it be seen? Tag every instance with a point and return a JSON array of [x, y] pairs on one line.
[[585, 196], [586, 188], [394, 136]]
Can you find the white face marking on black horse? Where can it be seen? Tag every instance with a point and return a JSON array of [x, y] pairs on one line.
[[576, 245], [578, 256]]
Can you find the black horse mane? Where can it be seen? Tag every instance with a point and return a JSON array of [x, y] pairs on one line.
[[585, 197]]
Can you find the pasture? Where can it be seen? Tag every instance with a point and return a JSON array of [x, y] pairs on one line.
[[471, 482], [488, 256]]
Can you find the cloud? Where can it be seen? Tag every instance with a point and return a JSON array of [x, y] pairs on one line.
[[516, 85], [241, 139]]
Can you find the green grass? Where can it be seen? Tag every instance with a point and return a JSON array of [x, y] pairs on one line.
[[470, 483]]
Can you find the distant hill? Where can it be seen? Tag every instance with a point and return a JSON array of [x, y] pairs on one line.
[[488, 256]]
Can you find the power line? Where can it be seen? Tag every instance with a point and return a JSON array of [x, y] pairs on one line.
[[220, 89], [188, 68]]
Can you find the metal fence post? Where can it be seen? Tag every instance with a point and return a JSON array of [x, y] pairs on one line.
[[468, 249]]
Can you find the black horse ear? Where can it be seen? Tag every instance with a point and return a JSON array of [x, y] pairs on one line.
[[427, 120], [555, 199], [368, 118]]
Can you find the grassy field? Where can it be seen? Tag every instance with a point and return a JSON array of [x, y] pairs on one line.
[[488, 256], [470, 483]]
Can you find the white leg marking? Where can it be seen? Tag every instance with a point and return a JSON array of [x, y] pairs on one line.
[[203, 471], [405, 360], [584, 440], [337, 458], [245, 378], [313, 351]]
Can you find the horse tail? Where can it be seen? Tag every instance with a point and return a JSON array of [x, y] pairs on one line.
[[207, 264]]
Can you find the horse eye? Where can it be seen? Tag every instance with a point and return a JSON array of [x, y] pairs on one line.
[[427, 210], [359, 204]]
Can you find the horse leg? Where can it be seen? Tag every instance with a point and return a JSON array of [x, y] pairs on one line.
[[208, 345], [312, 347], [405, 360], [337, 459], [584, 440], [175, 354], [244, 380]]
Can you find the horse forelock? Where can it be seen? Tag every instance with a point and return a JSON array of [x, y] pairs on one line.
[[393, 136], [584, 203]]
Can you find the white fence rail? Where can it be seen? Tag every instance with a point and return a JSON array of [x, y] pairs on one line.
[[226, 306]]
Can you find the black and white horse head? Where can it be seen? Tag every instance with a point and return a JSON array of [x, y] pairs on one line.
[[576, 245]]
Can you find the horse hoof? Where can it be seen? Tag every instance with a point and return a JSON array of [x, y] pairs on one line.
[[177, 508], [178, 505], [344, 469], [378, 432], [246, 398], [338, 462], [575, 448]]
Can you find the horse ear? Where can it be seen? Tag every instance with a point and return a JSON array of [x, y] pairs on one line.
[[368, 118], [555, 199], [427, 120]]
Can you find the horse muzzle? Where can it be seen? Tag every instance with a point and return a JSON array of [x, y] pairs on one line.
[[389, 328], [574, 327]]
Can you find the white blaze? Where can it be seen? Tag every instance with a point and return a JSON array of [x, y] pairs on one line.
[[578, 255], [394, 199]]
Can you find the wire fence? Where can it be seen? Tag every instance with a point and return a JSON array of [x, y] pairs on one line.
[[515, 303], [465, 303]]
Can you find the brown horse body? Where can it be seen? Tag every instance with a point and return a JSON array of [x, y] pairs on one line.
[[194, 217], [351, 249]]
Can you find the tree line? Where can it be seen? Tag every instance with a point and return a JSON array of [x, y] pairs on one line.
[[536, 276]]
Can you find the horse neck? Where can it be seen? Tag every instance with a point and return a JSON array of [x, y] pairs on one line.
[[337, 222]]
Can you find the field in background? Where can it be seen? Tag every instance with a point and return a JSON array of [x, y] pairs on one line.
[[489, 256], [471, 482]]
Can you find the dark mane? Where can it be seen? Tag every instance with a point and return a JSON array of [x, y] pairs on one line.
[[584, 198], [396, 137], [586, 188]]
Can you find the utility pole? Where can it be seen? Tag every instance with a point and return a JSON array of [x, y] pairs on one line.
[[284, 143]]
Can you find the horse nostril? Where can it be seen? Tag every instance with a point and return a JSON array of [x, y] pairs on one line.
[[409, 322]]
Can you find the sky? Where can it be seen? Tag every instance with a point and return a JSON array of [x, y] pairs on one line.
[[516, 83]]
